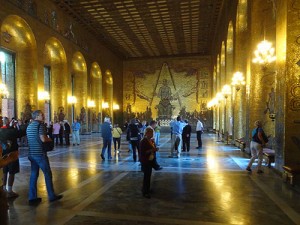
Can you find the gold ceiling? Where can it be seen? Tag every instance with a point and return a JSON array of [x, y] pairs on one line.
[[149, 28]]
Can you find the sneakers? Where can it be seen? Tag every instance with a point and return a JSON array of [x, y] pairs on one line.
[[35, 201], [248, 169], [260, 171], [12, 194], [57, 197]]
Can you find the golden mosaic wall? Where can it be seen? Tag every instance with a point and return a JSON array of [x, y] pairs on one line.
[[164, 88]]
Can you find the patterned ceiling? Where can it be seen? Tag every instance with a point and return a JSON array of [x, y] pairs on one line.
[[149, 28]]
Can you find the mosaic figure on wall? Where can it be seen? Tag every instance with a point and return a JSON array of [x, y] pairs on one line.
[[164, 108], [82, 115], [271, 101], [26, 114], [55, 118], [61, 115]]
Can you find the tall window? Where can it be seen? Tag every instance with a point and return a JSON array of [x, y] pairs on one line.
[[47, 87], [7, 72]]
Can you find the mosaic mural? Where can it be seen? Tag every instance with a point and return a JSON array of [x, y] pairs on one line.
[[167, 92]]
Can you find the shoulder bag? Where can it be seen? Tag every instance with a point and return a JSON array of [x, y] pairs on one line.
[[46, 146]]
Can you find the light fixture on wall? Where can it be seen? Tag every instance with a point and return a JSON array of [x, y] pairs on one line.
[[238, 80], [43, 96], [226, 91], [91, 104], [105, 105], [264, 54], [72, 100], [116, 107]]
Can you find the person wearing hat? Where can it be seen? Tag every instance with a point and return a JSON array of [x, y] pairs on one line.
[[258, 141]]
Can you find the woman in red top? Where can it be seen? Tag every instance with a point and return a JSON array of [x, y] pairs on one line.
[[147, 150]]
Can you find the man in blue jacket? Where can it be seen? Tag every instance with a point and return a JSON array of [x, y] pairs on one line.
[[106, 129]]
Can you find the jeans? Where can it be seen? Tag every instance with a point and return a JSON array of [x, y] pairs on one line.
[[199, 133], [75, 137], [106, 144], [186, 143], [256, 152], [157, 136], [135, 146], [37, 163], [147, 169], [55, 138], [117, 140], [176, 144]]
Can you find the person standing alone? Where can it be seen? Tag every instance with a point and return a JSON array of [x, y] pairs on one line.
[[199, 131], [75, 132], [116, 132], [106, 131]]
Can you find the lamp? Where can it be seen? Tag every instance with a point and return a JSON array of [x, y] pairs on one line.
[[105, 105], [43, 96], [72, 100], [226, 91], [91, 104], [238, 80], [116, 107], [264, 54]]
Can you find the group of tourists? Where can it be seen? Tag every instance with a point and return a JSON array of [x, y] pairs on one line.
[[61, 130], [143, 138]]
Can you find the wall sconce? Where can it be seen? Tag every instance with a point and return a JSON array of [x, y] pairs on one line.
[[3, 91], [238, 80], [116, 107], [91, 104], [264, 54], [43, 96], [72, 100], [105, 105], [226, 91]]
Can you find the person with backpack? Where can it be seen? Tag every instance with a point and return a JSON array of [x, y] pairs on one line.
[[258, 141]]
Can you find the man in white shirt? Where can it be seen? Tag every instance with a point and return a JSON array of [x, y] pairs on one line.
[[199, 130]]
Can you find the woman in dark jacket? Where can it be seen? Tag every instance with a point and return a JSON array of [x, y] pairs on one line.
[[147, 150]]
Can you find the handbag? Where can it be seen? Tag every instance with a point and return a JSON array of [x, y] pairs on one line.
[[46, 146]]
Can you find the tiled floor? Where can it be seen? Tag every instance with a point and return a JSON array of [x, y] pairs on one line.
[[208, 186]]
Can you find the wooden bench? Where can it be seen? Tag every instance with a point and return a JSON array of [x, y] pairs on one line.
[[270, 154], [290, 172], [240, 143]]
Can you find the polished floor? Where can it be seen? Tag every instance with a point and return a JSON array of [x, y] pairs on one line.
[[208, 186]]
